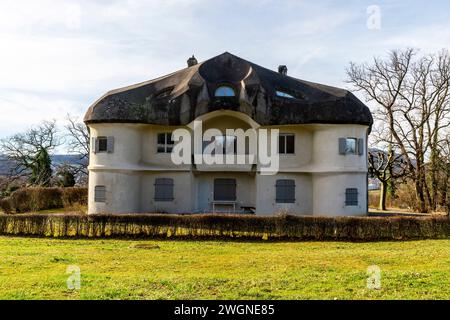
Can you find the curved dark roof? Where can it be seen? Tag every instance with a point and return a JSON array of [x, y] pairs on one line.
[[180, 97]]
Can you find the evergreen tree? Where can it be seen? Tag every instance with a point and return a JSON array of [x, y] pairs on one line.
[[41, 172], [66, 176]]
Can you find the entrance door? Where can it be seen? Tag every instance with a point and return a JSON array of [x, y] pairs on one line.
[[204, 195]]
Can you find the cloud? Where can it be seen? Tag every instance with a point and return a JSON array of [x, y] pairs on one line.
[[430, 38], [320, 24], [21, 110], [27, 15], [59, 56]]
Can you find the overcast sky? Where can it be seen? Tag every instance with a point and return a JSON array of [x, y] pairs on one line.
[[58, 57]]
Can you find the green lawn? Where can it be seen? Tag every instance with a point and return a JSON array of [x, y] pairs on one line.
[[122, 269]]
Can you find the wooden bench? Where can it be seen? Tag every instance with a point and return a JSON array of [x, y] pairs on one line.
[[224, 203]]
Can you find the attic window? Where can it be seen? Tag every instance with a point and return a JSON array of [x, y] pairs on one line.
[[284, 94], [224, 91]]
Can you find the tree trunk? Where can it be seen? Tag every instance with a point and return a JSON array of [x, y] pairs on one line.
[[383, 194], [434, 180], [391, 188], [430, 200], [421, 205], [444, 189]]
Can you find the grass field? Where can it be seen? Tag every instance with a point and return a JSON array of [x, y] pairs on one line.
[[125, 269]]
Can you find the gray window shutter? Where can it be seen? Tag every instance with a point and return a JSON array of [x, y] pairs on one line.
[[96, 145], [225, 189], [285, 191], [351, 197], [164, 189], [93, 145], [110, 144], [100, 194], [360, 147], [342, 145]]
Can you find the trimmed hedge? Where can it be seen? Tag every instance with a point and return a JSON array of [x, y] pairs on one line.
[[227, 227], [36, 199]]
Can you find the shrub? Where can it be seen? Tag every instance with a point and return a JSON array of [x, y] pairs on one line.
[[74, 196], [405, 197], [36, 199], [5, 206], [374, 198], [227, 226]]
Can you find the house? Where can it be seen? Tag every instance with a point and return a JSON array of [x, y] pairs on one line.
[[321, 144]]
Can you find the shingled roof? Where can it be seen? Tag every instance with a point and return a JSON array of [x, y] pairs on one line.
[[180, 97]]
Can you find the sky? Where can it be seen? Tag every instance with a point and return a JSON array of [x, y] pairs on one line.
[[58, 56]]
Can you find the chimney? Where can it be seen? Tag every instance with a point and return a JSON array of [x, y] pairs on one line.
[[282, 70], [192, 61]]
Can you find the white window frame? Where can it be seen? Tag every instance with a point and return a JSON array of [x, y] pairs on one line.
[[285, 153], [95, 144], [166, 145], [360, 146]]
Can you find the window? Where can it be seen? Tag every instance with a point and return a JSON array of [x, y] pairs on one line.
[[103, 144], [224, 190], [164, 189], [351, 197], [223, 142], [284, 95], [285, 191], [165, 143], [351, 146], [286, 143], [226, 142], [100, 194], [224, 91]]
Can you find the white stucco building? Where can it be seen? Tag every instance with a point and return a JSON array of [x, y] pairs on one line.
[[322, 144]]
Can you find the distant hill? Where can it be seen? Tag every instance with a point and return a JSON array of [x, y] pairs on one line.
[[57, 159], [5, 166]]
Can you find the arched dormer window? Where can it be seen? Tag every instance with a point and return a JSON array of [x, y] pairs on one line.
[[224, 91]]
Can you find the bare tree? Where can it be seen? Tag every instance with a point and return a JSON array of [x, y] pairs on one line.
[[443, 173], [78, 143], [386, 166], [412, 98], [436, 91], [29, 153]]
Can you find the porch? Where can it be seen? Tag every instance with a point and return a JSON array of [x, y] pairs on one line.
[[225, 192]]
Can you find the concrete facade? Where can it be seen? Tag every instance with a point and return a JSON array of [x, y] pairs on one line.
[[321, 174]]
